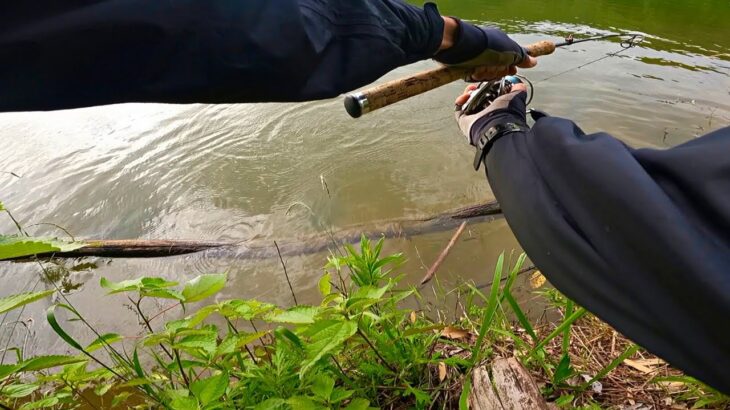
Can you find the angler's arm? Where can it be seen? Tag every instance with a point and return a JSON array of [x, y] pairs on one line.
[[79, 53], [638, 237]]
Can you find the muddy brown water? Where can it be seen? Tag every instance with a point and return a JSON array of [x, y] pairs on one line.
[[256, 171]]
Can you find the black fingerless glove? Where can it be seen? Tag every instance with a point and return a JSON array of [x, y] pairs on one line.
[[481, 46]]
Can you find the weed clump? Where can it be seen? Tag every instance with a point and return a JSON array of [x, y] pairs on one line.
[[358, 348]]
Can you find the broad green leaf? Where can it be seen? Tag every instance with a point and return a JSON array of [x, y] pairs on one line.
[[326, 336], [366, 296], [303, 403], [102, 389], [203, 340], [43, 403], [163, 294], [211, 389], [103, 340], [46, 362], [15, 391], [19, 246], [177, 325], [123, 286], [332, 297], [245, 309], [227, 345], [203, 286], [339, 395], [184, 403], [274, 403], [564, 400], [296, 315], [6, 369], [15, 301], [358, 404], [120, 397], [325, 287], [154, 287], [322, 386]]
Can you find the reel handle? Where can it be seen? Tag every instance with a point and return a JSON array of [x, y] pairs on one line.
[[371, 99]]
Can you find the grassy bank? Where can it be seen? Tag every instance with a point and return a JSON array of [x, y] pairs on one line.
[[358, 348], [369, 342]]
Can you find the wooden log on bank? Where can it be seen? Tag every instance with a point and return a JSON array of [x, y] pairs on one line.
[[263, 249], [510, 387]]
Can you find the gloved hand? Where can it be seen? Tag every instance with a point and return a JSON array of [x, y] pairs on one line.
[[508, 108], [489, 50]]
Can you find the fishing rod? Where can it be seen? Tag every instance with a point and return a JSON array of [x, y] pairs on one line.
[[379, 96]]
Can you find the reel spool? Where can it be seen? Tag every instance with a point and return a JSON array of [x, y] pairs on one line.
[[488, 91]]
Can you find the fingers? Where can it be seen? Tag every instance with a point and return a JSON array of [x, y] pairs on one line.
[[518, 87], [461, 100], [486, 73], [528, 62]]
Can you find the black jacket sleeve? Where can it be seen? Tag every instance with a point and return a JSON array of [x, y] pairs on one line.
[[75, 53], [640, 237]]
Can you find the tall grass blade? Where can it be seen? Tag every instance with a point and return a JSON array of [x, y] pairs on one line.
[[521, 317], [614, 363], [51, 317], [465, 392], [566, 333], [491, 308], [558, 330]]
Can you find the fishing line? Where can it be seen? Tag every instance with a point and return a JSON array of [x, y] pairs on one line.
[[631, 41]]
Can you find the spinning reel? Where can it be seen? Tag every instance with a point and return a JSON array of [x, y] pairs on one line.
[[488, 91]]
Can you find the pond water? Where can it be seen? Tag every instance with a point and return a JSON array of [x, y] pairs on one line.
[[233, 172]]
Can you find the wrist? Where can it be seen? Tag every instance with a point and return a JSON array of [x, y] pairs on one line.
[[451, 27]]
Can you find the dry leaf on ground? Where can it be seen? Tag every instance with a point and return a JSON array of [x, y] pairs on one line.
[[454, 332], [442, 371]]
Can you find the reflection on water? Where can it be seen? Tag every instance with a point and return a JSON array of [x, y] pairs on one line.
[[258, 171]]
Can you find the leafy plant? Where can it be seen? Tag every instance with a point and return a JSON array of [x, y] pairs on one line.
[[357, 348]]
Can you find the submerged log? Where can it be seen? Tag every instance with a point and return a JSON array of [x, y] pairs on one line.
[[262, 249]]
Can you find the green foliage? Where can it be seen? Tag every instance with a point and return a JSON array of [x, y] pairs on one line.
[[21, 299], [21, 246], [152, 287], [357, 349], [203, 286]]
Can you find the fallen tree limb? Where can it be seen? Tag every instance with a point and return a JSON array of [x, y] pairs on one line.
[[442, 256], [263, 249]]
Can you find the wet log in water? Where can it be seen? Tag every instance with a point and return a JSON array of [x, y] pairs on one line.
[[260, 249]]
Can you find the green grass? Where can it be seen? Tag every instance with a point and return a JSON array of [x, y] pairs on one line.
[[358, 348]]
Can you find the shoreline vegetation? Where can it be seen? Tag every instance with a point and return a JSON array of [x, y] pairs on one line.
[[370, 342]]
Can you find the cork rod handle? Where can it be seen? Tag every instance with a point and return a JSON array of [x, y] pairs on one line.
[[382, 95]]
